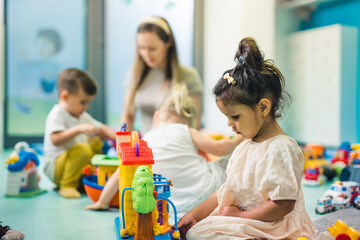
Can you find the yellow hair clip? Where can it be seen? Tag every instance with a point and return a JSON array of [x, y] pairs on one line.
[[229, 78]]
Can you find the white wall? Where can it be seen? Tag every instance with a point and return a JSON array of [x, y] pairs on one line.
[[2, 75], [225, 24], [321, 65]]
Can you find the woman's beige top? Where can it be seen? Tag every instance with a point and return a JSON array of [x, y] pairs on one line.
[[152, 92]]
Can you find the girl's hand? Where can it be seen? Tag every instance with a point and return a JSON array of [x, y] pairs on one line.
[[185, 223], [230, 211]]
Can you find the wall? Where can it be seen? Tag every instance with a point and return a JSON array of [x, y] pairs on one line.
[[344, 13], [226, 23], [2, 74]]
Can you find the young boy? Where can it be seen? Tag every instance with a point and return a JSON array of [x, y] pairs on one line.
[[71, 134]]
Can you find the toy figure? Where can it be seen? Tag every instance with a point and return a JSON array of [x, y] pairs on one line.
[[22, 177]]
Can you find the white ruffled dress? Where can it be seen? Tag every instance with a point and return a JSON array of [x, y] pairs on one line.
[[259, 172]]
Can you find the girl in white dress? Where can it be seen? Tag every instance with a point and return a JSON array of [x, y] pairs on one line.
[[262, 196]]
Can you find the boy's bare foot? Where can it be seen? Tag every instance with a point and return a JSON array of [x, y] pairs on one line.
[[69, 192], [97, 207]]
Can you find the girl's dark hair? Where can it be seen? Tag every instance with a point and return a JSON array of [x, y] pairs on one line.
[[255, 78], [3, 230]]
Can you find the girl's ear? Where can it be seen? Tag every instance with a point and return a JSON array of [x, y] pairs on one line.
[[265, 106], [64, 95], [156, 116]]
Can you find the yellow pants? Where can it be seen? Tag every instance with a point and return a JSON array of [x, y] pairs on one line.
[[69, 165]]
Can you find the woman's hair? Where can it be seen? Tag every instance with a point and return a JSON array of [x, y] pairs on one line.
[[179, 106], [252, 79], [161, 28]]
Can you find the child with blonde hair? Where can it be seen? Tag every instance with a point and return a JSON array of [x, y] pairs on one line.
[[175, 146], [262, 196]]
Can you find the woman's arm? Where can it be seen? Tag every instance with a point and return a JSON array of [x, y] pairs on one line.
[[197, 214], [198, 104], [267, 212], [128, 114], [212, 146]]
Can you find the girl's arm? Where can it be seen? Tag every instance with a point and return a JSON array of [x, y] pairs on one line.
[[212, 146], [197, 214], [128, 114], [198, 104], [267, 212]]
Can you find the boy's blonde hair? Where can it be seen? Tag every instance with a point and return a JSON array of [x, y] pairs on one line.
[[179, 105], [71, 79]]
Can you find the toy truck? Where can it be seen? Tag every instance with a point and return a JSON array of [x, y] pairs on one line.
[[324, 205]]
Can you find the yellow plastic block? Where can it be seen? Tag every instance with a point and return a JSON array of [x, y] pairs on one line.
[[105, 172], [340, 227]]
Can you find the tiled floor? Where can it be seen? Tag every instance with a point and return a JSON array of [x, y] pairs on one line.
[[50, 217]]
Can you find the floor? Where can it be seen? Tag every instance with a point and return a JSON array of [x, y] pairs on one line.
[[49, 216]]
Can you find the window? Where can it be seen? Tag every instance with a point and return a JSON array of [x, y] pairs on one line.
[[42, 38]]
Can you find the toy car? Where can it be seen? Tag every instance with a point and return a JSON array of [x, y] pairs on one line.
[[341, 203], [357, 202], [345, 189], [313, 177], [324, 205]]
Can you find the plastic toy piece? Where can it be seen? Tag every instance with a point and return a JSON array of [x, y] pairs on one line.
[[324, 205], [314, 158], [143, 191], [94, 183], [357, 202], [22, 176], [313, 177], [106, 167], [93, 190], [341, 157], [143, 202], [340, 195], [346, 190], [341, 231], [123, 127]]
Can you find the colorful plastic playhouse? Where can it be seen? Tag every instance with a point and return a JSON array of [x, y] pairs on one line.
[[94, 184], [134, 153], [106, 166], [22, 176]]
